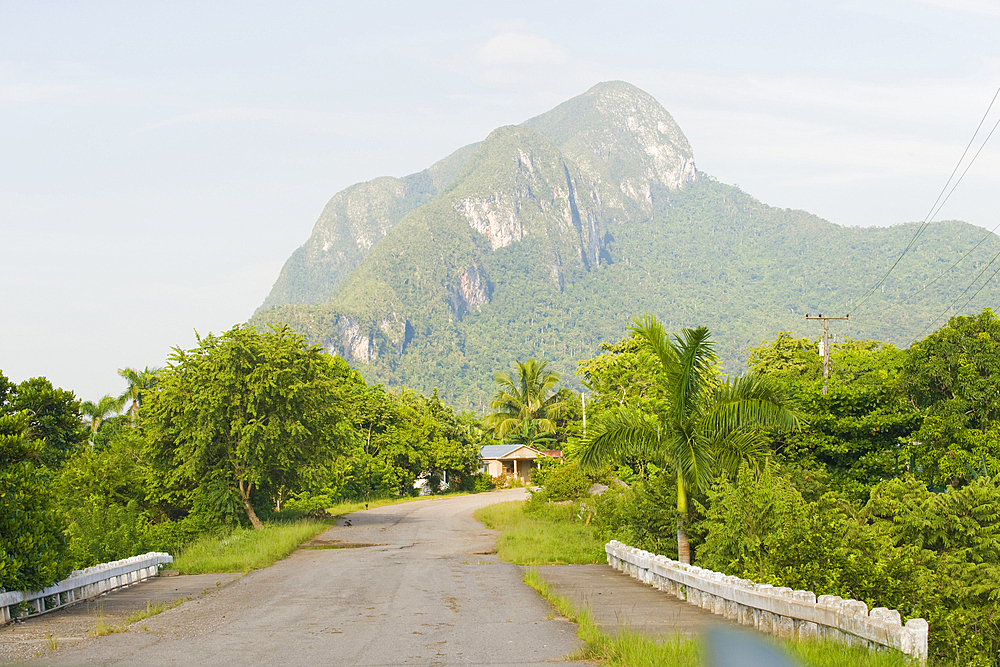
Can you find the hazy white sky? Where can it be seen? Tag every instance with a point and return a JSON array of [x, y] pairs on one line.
[[159, 161]]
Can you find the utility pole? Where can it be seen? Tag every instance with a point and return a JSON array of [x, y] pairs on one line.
[[824, 345]]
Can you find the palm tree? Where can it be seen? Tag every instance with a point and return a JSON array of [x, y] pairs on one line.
[[98, 412], [523, 405], [140, 383], [706, 426]]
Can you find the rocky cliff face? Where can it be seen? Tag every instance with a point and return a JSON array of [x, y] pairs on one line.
[[353, 221], [519, 188], [364, 342]]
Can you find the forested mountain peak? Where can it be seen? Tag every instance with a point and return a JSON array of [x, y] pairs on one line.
[[546, 238], [621, 134]]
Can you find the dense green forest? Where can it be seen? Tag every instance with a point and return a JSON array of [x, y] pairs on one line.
[[883, 490], [715, 256], [885, 493], [551, 235]]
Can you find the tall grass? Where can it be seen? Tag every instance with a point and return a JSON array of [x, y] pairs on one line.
[[632, 649], [244, 549], [552, 534]]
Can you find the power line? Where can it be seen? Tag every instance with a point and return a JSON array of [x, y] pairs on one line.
[[957, 261], [935, 207], [945, 311]]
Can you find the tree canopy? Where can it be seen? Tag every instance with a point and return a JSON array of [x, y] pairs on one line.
[[39, 429], [243, 411], [704, 427], [526, 406]]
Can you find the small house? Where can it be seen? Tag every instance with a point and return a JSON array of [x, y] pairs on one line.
[[515, 460]]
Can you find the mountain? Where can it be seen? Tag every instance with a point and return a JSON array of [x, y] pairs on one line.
[[546, 238]]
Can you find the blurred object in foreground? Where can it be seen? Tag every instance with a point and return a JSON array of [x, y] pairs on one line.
[[732, 648]]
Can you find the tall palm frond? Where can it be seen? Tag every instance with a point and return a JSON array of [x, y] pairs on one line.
[[622, 433], [751, 399], [707, 428], [691, 453], [655, 338], [524, 403], [140, 383], [731, 449], [106, 406], [694, 365]]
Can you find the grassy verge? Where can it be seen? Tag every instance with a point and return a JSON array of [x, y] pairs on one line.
[[631, 649], [244, 549], [550, 535]]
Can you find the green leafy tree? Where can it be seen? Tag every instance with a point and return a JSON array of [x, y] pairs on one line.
[[525, 407], [32, 539], [53, 417], [859, 429], [97, 412], [625, 373], [705, 427], [244, 411], [953, 378], [40, 427]]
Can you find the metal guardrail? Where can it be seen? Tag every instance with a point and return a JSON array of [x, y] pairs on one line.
[[81, 585], [773, 610]]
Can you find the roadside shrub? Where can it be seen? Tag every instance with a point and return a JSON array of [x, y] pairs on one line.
[[645, 515], [307, 501], [566, 482], [483, 482], [929, 555], [506, 481], [545, 466]]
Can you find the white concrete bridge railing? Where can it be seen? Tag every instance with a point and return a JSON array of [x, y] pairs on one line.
[[83, 584], [774, 610]]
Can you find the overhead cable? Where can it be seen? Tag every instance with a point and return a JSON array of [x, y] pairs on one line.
[[941, 199]]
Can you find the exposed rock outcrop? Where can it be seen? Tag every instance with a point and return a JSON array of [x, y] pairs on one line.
[[364, 343], [495, 217], [469, 293]]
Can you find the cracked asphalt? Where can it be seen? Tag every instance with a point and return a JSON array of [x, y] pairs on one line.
[[428, 592]]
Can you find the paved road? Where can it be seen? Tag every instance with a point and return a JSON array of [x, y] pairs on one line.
[[616, 600], [428, 594]]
